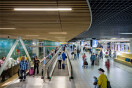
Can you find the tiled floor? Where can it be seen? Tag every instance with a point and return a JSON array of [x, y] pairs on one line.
[[120, 76]]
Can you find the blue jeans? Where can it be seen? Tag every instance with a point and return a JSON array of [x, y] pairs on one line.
[[23, 71], [95, 86], [78, 55]]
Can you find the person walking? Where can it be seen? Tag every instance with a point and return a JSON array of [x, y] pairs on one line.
[[93, 58], [101, 54], [23, 69], [102, 79], [36, 65], [84, 58], [78, 52], [107, 64], [59, 60]]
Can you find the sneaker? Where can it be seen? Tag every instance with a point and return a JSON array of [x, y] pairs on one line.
[[20, 80], [23, 79]]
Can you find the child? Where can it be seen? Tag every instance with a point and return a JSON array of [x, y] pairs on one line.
[[107, 64], [95, 81], [83, 58]]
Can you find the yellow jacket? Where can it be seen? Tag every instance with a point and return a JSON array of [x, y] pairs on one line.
[[102, 81]]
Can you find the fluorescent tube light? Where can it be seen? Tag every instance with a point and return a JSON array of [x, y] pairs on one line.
[[32, 35], [8, 28], [126, 33], [42, 9], [64, 33]]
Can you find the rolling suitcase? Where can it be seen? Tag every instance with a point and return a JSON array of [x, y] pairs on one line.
[[63, 66], [31, 71]]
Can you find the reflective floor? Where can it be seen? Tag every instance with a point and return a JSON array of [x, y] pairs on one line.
[[37, 82], [120, 76]]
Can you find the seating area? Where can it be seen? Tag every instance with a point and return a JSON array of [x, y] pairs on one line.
[[125, 59]]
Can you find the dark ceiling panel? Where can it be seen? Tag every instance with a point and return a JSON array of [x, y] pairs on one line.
[[109, 18]]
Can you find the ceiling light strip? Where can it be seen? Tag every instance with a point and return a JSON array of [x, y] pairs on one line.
[[8, 28], [126, 33], [42, 9]]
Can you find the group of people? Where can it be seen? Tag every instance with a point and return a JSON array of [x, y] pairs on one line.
[[75, 53], [61, 58], [24, 65]]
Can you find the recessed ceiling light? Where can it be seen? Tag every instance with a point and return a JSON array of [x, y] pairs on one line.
[[42, 9], [126, 33], [32, 35], [58, 33], [8, 28]]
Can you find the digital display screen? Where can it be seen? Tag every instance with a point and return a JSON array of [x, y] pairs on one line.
[[94, 43]]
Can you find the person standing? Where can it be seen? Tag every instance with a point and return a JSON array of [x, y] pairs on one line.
[[47, 51], [75, 53], [23, 68], [95, 81], [56, 49], [36, 65], [52, 52], [63, 56], [102, 80], [59, 60], [110, 53], [93, 58]]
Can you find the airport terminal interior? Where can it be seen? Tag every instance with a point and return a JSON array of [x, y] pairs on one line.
[[65, 43]]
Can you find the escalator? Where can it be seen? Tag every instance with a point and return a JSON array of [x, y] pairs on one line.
[[61, 78], [55, 78]]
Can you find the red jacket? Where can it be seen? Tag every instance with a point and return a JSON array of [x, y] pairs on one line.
[[107, 64]]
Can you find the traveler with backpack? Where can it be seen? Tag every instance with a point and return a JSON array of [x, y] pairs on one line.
[[23, 69], [102, 80], [93, 58]]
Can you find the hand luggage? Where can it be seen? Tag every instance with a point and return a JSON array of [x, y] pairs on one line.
[[108, 84], [63, 66], [85, 62], [127, 59], [131, 61], [31, 71]]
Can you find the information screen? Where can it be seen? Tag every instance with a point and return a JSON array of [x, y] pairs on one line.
[[94, 43]]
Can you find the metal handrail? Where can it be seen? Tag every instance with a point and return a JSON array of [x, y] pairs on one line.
[[51, 65], [70, 69]]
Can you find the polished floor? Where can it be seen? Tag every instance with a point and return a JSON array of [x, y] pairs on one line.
[[120, 76]]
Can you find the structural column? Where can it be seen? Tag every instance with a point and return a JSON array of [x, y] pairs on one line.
[[130, 46], [36, 49]]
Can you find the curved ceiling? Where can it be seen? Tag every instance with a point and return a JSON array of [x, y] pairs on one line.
[[110, 18], [46, 25]]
